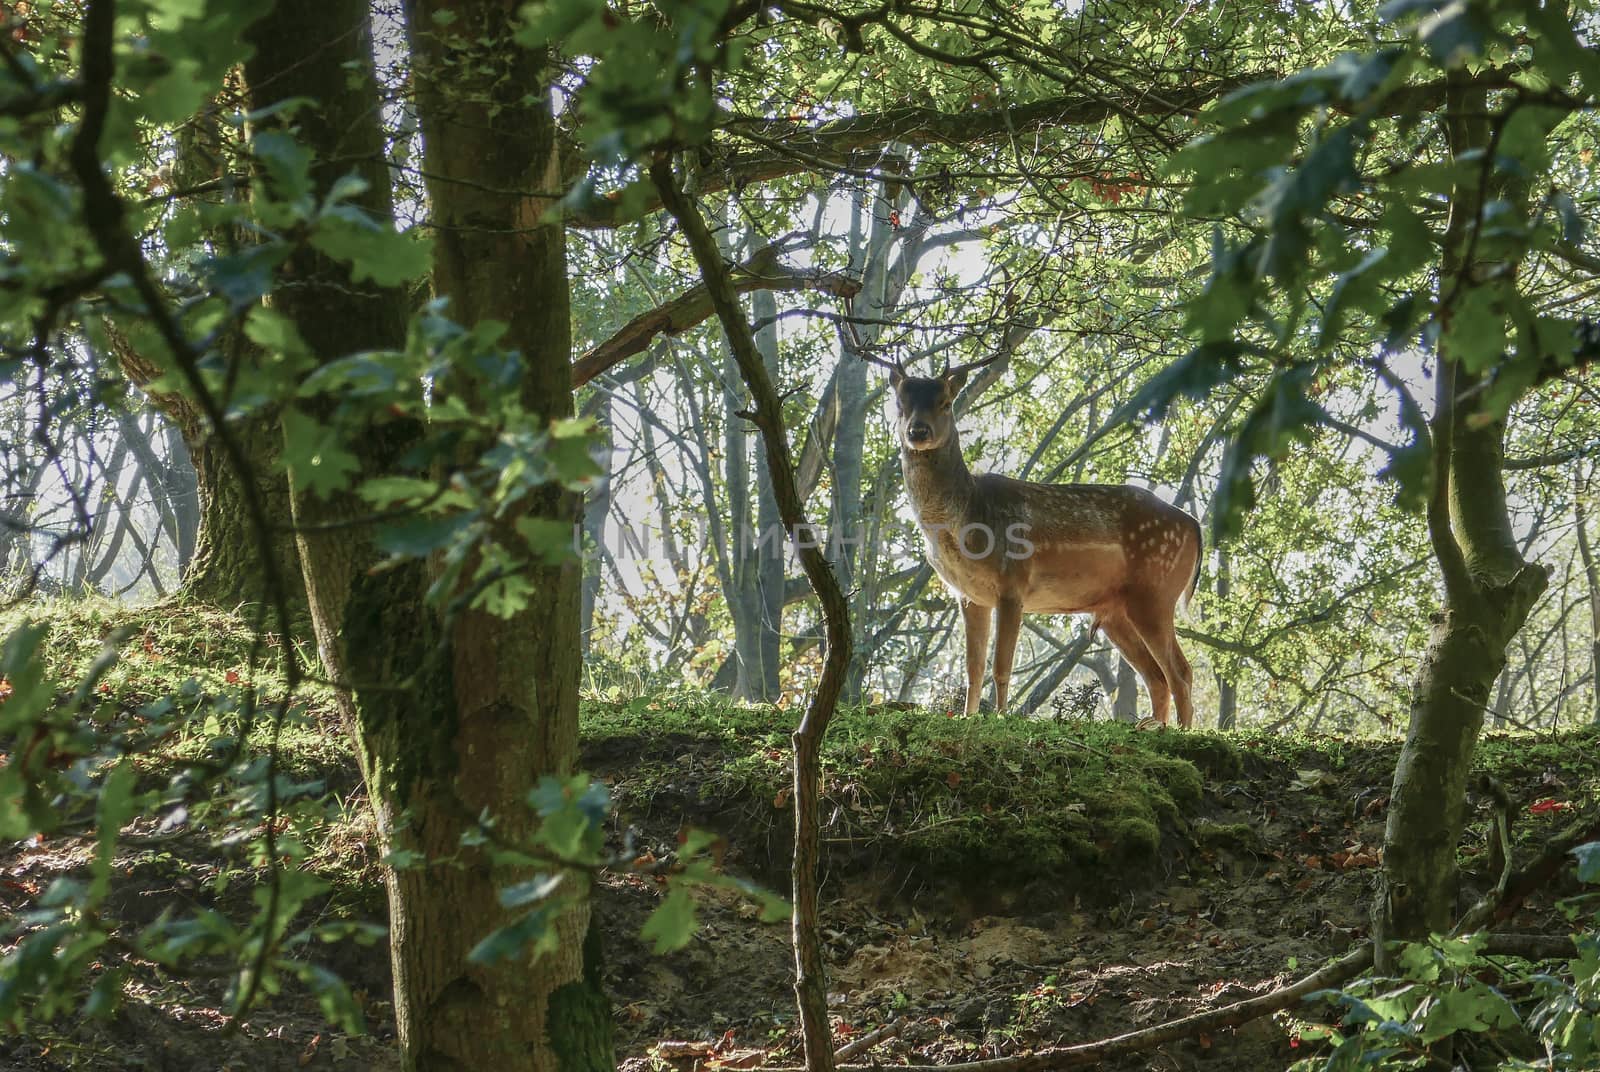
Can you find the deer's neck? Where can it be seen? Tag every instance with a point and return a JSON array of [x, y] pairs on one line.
[[939, 483]]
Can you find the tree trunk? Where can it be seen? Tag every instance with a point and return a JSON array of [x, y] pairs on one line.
[[770, 546], [225, 568], [1489, 591], [454, 716], [183, 492], [107, 505], [1227, 691], [501, 255], [883, 283], [219, 555], [596, 511], [1125, 707], [1591, 576]]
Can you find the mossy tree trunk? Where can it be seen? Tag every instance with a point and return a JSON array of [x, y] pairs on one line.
[[493, 170], [226, 569], [461, 715], [1489, 589], [218, 550], [222, 564]]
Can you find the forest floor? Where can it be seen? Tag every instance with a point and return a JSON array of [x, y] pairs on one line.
[[1001, 885]]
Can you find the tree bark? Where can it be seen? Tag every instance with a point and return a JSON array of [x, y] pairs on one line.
[[596, 511], [810, 984], [1591, 576], [225, 568], [219, 555], [454, 715], [1125, 707], [1227, 691], [770, 545], [1489, 591]]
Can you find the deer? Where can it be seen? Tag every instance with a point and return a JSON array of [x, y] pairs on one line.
[[1007, 547]]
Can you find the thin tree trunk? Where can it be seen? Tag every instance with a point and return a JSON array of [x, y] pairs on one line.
[[1591, 576], [183, 492], [1125, 708], [1489, 592], [810, 977], [1227, 691], [771, 546], [107, 506], [596, 509]]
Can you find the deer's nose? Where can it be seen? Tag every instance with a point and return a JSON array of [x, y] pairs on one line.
[[919, 431]]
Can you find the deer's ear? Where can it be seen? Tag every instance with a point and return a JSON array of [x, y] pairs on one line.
[[896, 378], [953, 382]]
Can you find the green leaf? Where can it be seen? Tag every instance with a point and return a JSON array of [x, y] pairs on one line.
[[1588, 856], [333, 996], [672, 924], [535, 929], [286, 162], [1475, 333], [315, 455], [244, 277], [1476, 1009], [1453, 31], [114, 807], [386, 491], [22, 666], [1357, 287], [1283, 415], [373, 250], [526, 893], [1411, 466], [275, 333], [1573, 225], [1194, 375], [419, 535], [548, 540]]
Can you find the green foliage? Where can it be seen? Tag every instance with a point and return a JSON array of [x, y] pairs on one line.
[[650, 82], [165, 718], [571, 836], [1325, 168], [1450, 988]]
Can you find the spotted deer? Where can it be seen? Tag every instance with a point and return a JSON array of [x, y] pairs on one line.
[[1007, 547]]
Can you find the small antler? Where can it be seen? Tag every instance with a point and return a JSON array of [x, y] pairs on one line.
[[847, 327], [971, 365], [1010, 300]]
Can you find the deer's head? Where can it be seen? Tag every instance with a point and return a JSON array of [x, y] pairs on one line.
[[926, 416]]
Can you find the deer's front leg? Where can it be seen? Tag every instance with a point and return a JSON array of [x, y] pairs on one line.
[[976, 620], [1009, 616]]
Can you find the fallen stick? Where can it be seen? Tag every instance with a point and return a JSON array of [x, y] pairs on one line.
[[1499, 906], [869, 1040], [1342, 970]]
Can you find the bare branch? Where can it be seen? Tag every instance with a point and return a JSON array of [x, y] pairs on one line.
[[761, 272]]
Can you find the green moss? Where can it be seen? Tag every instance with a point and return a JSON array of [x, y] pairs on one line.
[[974, 798], [1212, 753], [1133, 839]]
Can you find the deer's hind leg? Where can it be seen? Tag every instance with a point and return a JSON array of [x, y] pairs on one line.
[[1152, 618], [1008, 618], [976, 619], [1129, 641]]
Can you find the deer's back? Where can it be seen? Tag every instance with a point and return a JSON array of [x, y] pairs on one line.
[[1062, 548]]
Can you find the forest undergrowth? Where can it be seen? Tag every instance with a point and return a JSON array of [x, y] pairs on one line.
[[992, 886]]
